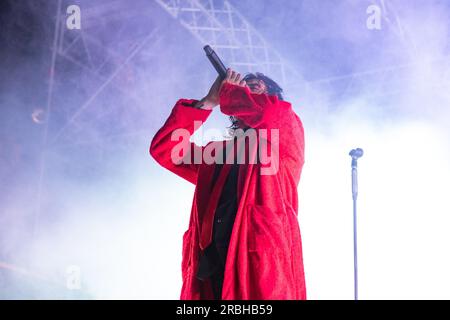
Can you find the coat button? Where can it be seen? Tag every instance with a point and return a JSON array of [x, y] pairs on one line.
[[219, 220]]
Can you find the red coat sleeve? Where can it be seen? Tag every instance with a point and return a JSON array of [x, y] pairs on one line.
[[256, 110], [182, 116], [262, 111]]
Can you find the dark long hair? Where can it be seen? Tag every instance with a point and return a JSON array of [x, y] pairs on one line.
[[272, 89]]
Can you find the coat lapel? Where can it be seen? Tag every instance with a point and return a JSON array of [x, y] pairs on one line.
[[206, 225]]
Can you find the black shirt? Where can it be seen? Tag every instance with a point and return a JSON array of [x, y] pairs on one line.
[[212, 259]]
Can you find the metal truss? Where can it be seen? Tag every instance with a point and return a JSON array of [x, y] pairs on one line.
[[380, 83], [385, 82], [82, 68], [214, 22], [219, 24], [100, 65]]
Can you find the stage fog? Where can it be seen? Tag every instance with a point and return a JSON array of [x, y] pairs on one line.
[[85, 212]]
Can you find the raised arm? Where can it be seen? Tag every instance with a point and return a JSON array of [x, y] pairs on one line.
[[183, 116]]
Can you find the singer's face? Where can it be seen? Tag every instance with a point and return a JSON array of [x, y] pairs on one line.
[[257, 86]]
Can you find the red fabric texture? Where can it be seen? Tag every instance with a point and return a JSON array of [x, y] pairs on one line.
[[264, 258]]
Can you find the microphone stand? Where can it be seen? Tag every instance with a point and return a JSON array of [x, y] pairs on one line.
[[355, 154]]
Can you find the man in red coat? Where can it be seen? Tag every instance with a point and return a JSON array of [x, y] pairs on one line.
[[256, 193]]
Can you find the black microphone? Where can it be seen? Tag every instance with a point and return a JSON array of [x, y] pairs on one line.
[[356, 153], [215, 61]]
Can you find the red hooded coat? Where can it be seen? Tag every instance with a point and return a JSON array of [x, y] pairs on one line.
[[264, 259]]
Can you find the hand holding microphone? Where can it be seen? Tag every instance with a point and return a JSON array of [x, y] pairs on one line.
[[211, 100]]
